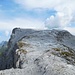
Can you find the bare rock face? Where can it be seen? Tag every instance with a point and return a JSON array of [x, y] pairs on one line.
[[39, 52]]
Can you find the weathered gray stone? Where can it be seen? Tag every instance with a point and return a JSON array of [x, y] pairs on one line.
[[39, 52]]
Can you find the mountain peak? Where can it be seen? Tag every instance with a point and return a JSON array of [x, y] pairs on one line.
[[40, 52]]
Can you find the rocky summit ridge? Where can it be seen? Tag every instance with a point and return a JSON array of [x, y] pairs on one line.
[[39, 52]]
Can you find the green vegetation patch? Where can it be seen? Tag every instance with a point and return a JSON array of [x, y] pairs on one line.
[[20, 44], [22, 51], [69, 54], [57, 49]]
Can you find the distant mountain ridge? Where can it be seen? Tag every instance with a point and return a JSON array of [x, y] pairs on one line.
[[3, 43]]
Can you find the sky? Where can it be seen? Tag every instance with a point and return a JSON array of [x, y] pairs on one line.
[[36, 14]]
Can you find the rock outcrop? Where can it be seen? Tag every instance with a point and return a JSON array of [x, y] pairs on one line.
[[39, 52]]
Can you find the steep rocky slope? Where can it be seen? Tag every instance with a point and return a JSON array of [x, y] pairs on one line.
[[39, 52]]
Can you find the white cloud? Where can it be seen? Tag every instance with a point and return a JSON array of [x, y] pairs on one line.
[[65, 10], [32, 4], [64, 18], [60, 20], [49, 4], [22, 23], [7, 33]]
